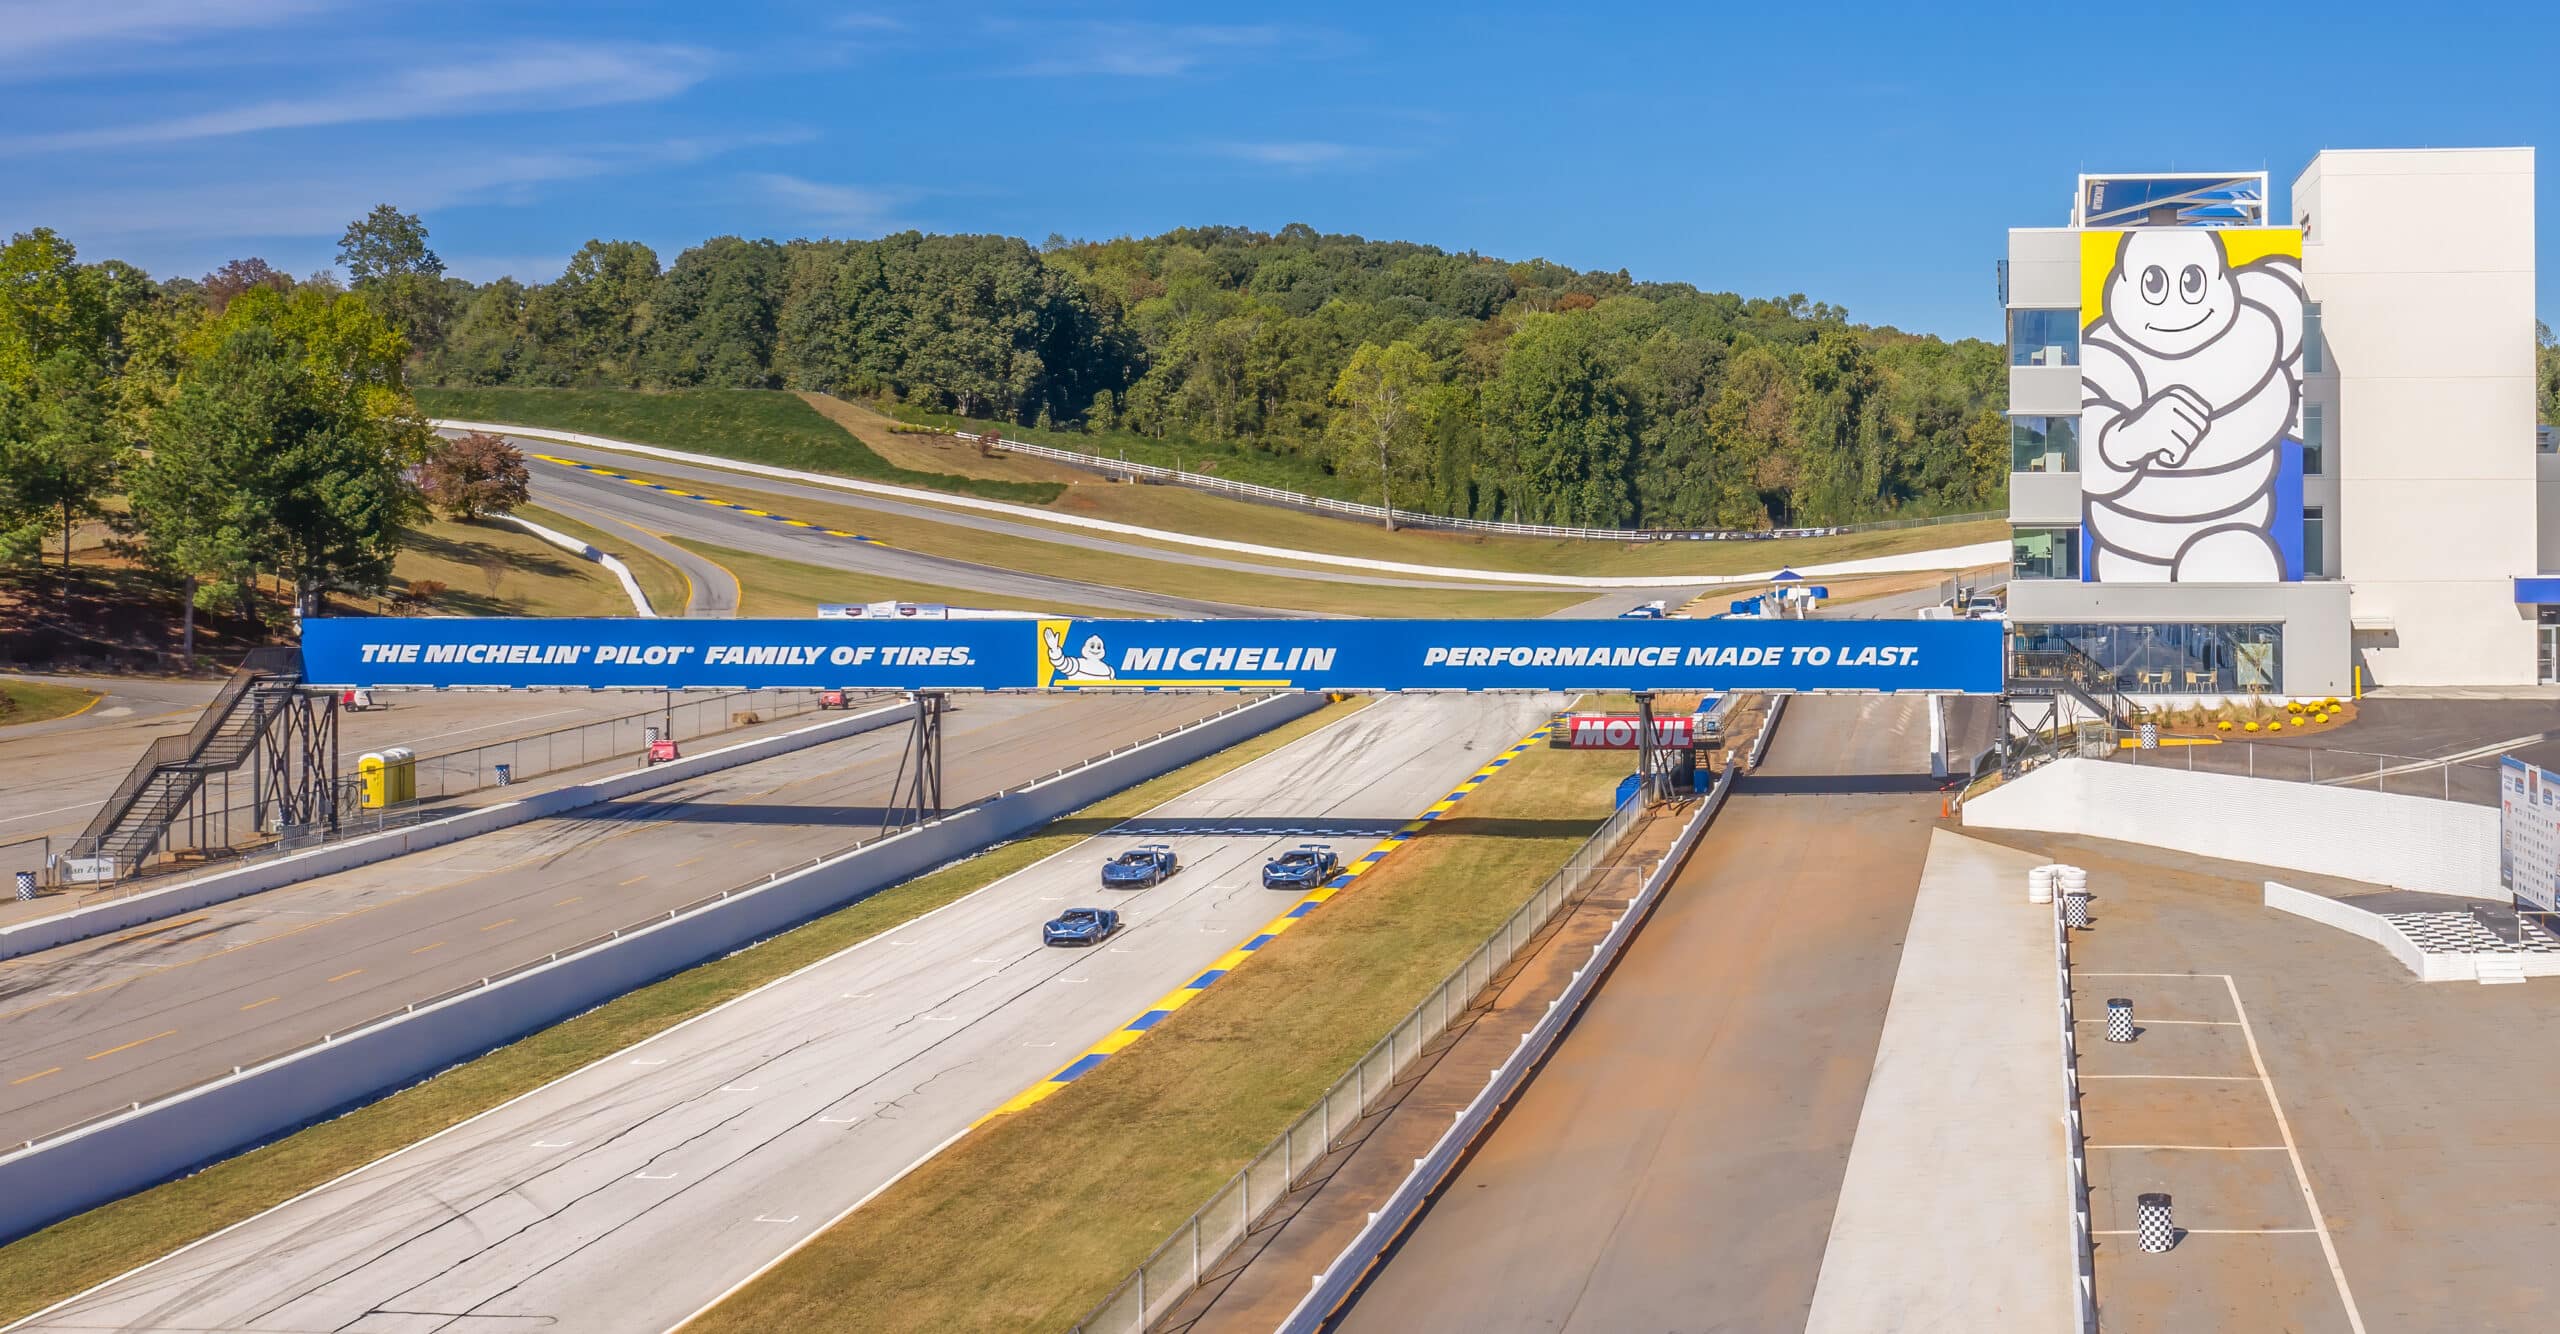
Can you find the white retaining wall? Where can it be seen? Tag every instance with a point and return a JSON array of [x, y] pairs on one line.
[[2352, 920], [611, 562], [1941, 558], [101, 1162], [2381, 838], [330, 858]]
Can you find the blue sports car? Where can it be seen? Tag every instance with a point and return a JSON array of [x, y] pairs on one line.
[[1080, 926], [1140, 867], [1302, 867]]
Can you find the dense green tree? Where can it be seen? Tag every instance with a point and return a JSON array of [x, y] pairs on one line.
[[286, 448], [1377, 435], [715, 317], [387, 259], [59, 452]]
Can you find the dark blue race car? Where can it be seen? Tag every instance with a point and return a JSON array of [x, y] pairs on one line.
[[1302, 867], [1080, 926], [1139, 867]]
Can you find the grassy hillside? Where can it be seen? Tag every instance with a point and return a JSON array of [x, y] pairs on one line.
[[736, 424], [756, 425]]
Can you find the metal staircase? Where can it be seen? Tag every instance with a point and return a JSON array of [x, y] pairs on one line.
[[239, 728]]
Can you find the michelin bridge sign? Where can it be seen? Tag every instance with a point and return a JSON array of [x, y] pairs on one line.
[[1952, 657]]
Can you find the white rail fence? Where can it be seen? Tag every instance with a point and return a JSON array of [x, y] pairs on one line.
[[1414, 519], [1210, 1235], [2084, 1258]]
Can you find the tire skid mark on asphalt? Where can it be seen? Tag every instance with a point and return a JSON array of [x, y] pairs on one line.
[[1121, 1038]]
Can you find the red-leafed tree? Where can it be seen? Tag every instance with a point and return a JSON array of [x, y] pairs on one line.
[[476, 474]]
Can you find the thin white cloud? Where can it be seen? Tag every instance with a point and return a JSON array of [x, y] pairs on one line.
[[32, 28], [1136, 50], [1296, 154], [256, 205], [867, 22], [846, 207], [535, 78]]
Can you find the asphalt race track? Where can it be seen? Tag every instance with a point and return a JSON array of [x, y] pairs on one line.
[[628, 1195], [1675, 1165], [586, 495], [94, 1025]]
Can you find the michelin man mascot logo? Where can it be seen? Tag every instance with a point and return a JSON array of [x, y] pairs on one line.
[[2190, 376], [1090, 665]]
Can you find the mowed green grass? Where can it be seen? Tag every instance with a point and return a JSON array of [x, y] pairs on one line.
[[40, 701], [725, 423], [1033, 1218], [492, 568], [80, 1252], [769, 586], [760, 426]]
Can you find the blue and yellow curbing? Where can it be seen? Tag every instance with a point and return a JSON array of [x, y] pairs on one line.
[[715, 501], [1137, 1028]]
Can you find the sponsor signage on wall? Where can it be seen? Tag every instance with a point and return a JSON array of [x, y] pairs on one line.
[[2529, 834], [1956, 657], [1619, 731]]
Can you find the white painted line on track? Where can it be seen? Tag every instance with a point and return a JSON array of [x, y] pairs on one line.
[[738, 1088], [653, 1176], [553, 1143], [2213, 1078], [2210, 1232], [762, 1218], [2194, 1148], [659, 1061], [2284, 1129]]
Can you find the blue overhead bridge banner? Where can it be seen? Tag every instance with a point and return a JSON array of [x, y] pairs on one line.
[[1954, 657]]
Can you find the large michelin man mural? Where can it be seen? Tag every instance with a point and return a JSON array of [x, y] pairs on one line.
[[2191, 373]]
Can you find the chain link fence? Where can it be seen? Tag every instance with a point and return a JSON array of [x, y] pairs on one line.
[[1207, 1237], [2471, 781], [456, 772]]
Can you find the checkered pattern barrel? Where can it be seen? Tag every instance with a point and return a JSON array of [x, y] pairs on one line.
[[2075, 906], [2151, 1223], [2119, 1019], [26, 885]]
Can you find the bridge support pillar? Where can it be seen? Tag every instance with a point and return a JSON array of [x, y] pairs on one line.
[[1937, 736]]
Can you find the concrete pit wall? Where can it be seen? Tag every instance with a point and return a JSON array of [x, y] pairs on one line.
[[91, 1166]]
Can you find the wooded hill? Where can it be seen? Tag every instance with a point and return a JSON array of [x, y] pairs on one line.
[[1456, 383]]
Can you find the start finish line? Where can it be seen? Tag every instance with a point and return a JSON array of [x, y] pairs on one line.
[[1938, 657]]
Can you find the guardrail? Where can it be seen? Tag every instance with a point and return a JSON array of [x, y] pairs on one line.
[[1341, 1278], [1213, 1232], [1420, 519], [62, 1173], [2084, 1257]]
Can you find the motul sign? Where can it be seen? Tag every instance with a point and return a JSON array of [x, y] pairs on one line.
[[1612, 731]]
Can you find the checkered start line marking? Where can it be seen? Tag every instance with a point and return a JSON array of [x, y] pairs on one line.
[[714, 501], [1121, 1038]]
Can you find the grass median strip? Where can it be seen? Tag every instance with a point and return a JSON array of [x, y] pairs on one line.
[[771, 586], [25, 701], [1178, 573], [77, 1253], [1034, 1217]]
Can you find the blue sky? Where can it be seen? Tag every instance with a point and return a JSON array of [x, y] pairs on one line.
[[1865, 155]]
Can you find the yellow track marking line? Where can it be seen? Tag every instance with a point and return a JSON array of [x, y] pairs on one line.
[[133, 1044], [345, 975], [29, 1079]]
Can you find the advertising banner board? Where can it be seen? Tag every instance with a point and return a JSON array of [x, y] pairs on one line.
[[2529, 834], [1956, 657], [1617, 731]]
